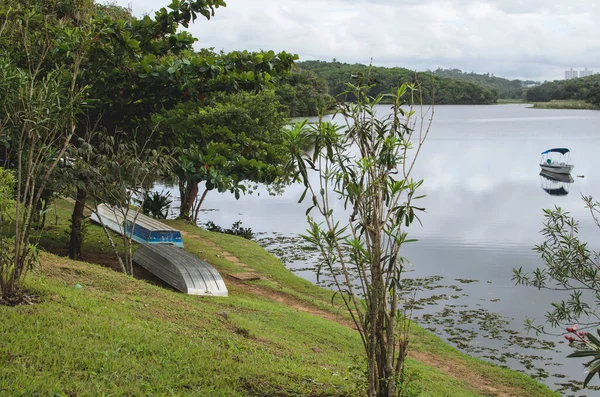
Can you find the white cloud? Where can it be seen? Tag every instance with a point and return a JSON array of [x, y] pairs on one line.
[[533, 39]]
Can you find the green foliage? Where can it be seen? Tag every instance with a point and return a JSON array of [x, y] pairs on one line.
[[235, 230], [303, 93], [434, 89], [39, 110], [7, 194], [7, 198], [506, 89], [366, 164], [572, 268], [225, 141], [586, 345], [131, 68], [157, 204], [113, 11], [566, 104], [585, 89]]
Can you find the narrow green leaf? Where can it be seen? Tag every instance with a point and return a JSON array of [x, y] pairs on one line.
[[584, 353]]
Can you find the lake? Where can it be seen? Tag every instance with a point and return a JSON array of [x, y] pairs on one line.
[[483, 215]]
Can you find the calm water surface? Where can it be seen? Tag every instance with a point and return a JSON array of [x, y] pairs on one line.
[[483, 214]]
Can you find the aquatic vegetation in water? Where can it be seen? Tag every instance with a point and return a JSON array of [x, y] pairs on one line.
[[468, 324]]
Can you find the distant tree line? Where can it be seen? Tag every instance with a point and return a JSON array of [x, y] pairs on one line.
[[506, 89], [438, 89], [585, 89]]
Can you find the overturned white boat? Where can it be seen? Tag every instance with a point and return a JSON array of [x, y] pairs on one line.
[[161, 252], [559, 163], [182, 270], [145, 229]]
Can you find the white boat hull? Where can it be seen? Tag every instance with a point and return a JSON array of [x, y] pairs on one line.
[[557, 168]]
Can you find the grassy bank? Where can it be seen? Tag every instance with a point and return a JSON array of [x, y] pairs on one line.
[[95, 331], [509, 101], [566, 104]]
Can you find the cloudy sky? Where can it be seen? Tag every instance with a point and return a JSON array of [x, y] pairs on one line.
[[525, 39]]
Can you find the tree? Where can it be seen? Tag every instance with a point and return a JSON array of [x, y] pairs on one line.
[[367, 164], [145, 66], [132, 68], [593, 95], [303, 93], [38, 119], [572, 268], [583, 89], [225, 141], [466, 90]]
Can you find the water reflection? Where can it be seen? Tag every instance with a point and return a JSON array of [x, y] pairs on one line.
[[555, 184], [483, 219]]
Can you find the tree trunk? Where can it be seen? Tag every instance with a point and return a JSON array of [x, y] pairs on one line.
[[188, 192], [76, 223], [199, 205]]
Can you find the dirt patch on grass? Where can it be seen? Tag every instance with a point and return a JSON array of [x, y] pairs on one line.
[[110, 261], [458, 370], [289, 301], [20, 297]]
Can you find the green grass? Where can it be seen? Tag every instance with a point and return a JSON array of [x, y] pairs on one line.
[[565, 104], [121, 336], [259, 259], [509, 101], [117, 335]]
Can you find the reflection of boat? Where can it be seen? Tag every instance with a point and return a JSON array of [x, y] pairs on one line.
[[554, 164], [555, 184]]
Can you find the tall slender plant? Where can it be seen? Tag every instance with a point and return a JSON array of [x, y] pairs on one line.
[[37, 120], [7, 186], [366, 164], [121, 180]]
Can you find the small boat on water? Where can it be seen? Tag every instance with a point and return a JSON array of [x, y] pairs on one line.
[[557, 163]]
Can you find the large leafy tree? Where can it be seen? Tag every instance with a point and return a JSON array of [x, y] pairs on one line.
[[153, 67], [304, 93], [133, 68], [225, 141]]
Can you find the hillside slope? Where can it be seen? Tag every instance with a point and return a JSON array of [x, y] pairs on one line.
[[506, 89], [95, 331], [436, 89]]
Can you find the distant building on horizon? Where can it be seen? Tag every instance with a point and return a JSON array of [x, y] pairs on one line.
[[570, 74], [573, 74]]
